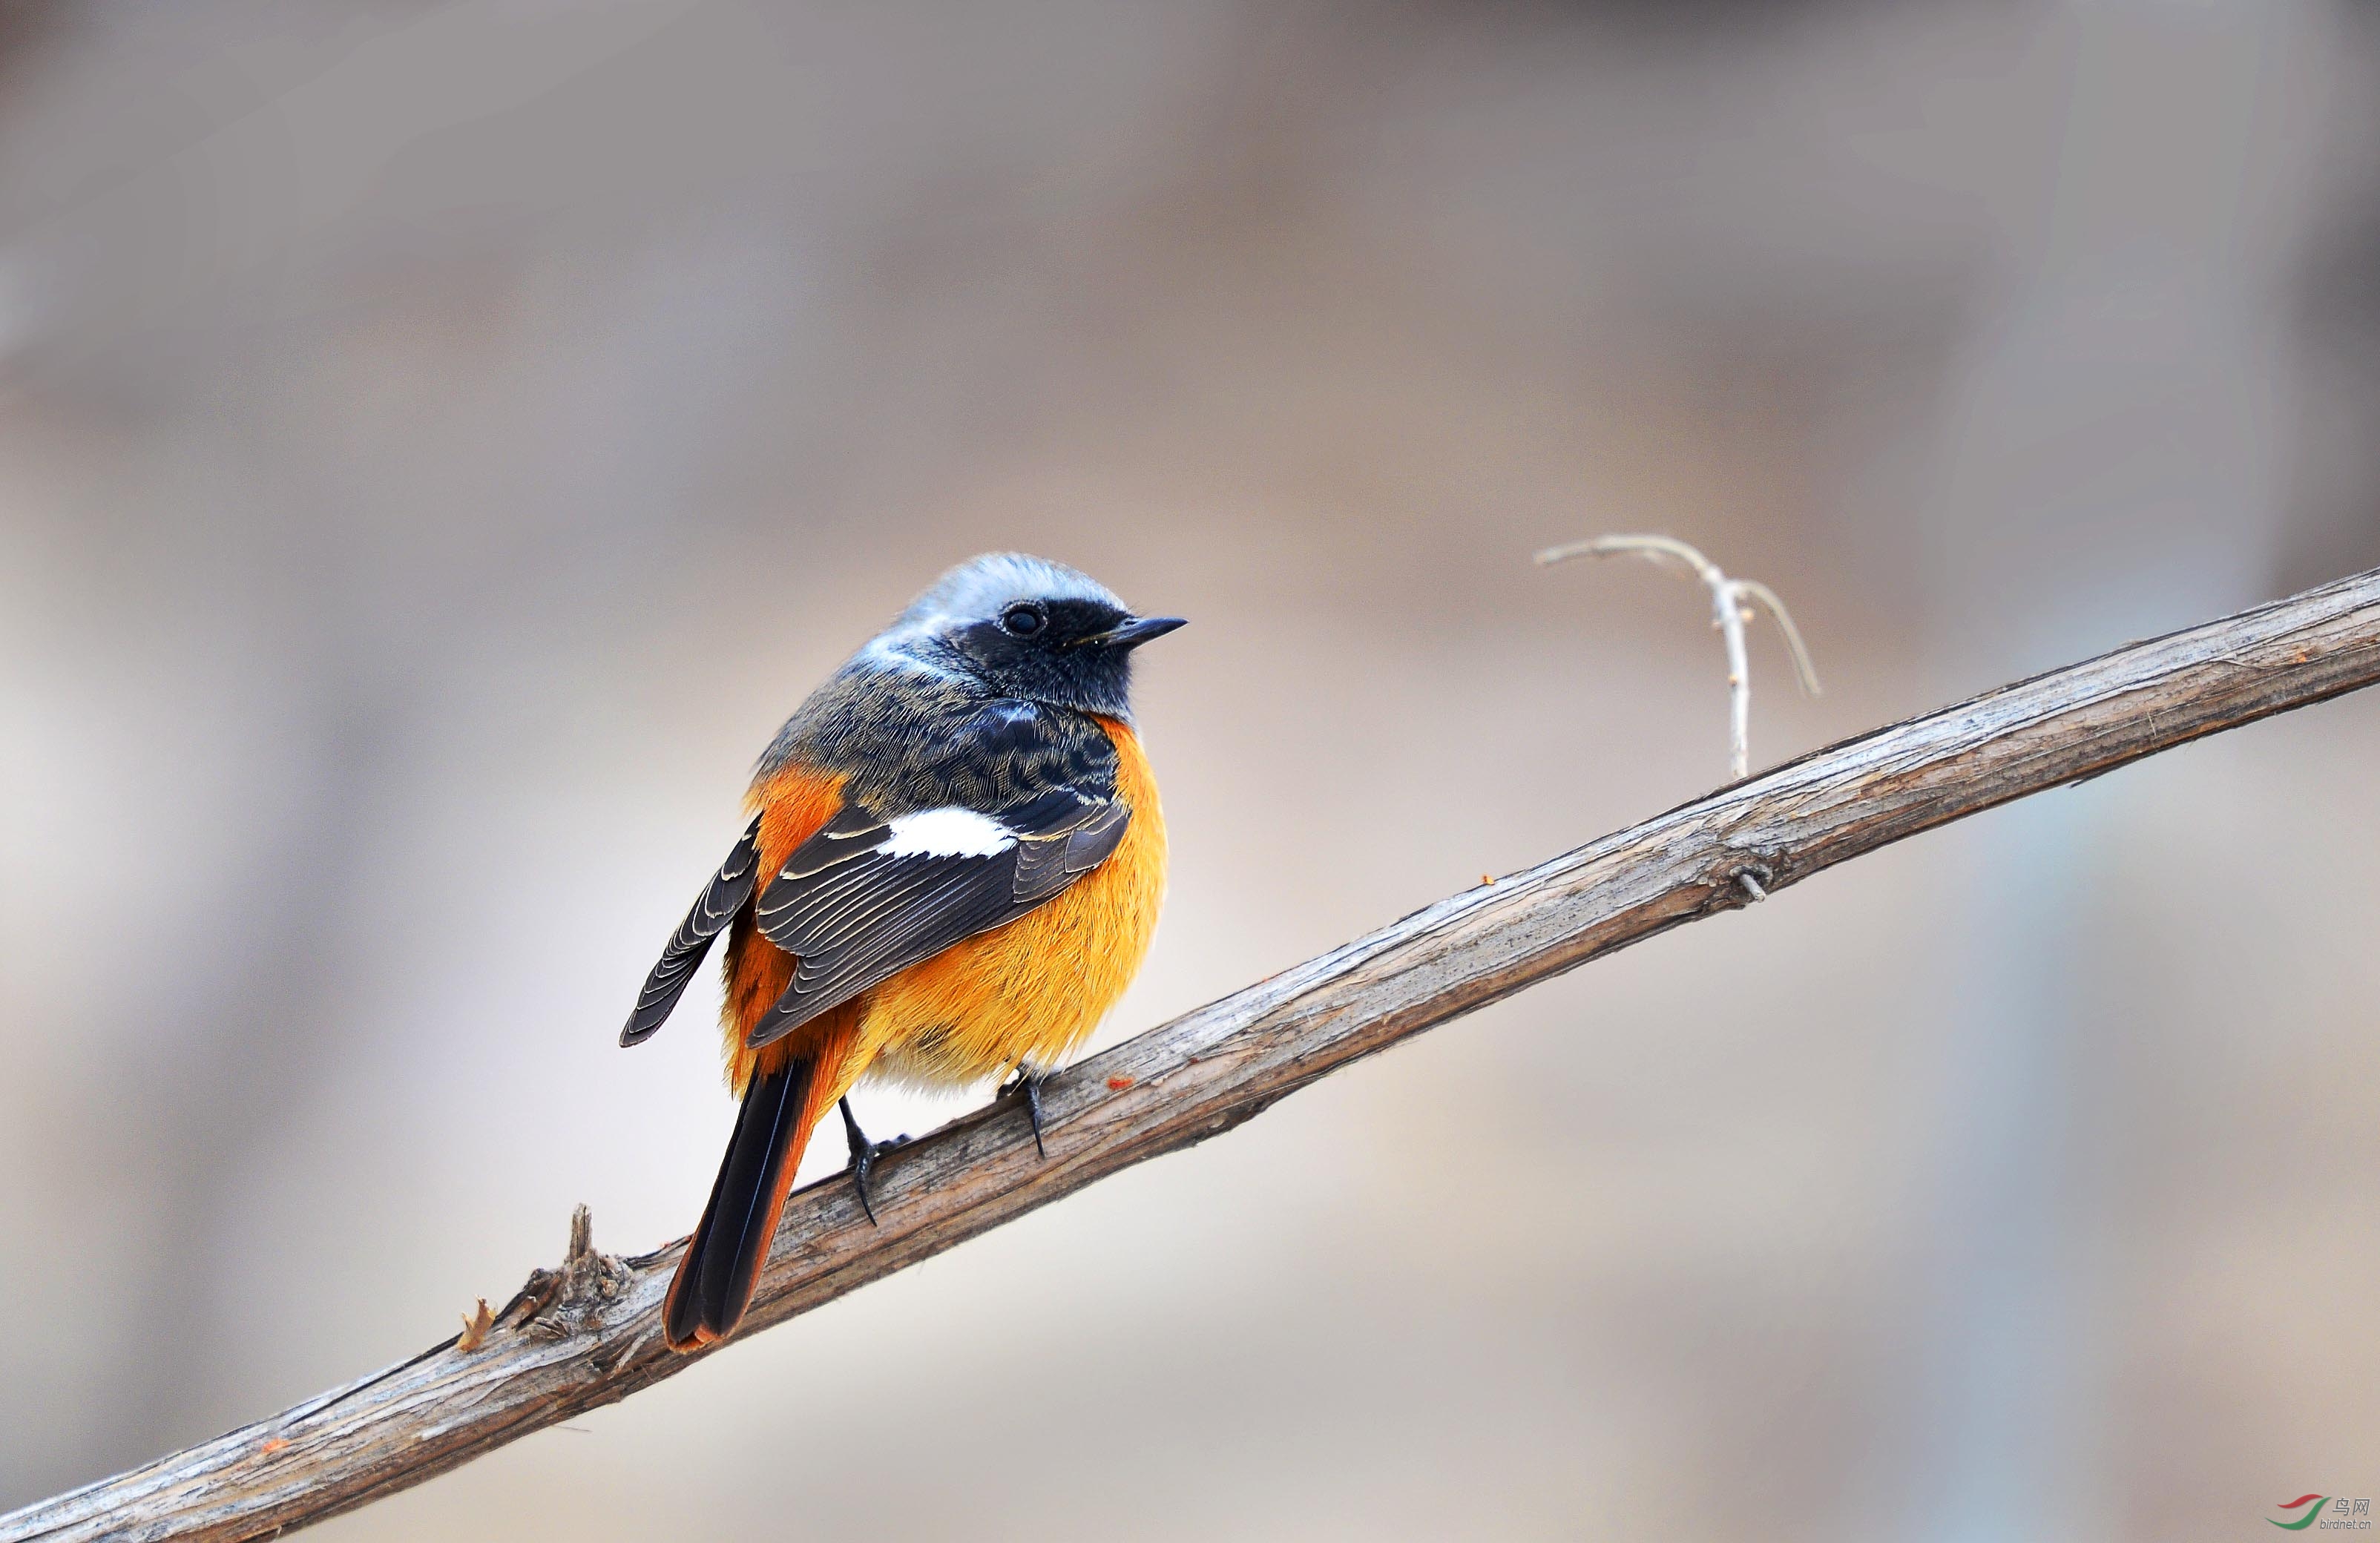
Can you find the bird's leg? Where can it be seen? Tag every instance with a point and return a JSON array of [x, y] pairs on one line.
[[1029, 1083], [863, 1155]]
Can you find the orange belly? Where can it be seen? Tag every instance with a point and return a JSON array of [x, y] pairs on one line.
[[1027, 992]]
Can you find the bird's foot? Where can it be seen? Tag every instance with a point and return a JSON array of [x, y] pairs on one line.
[[1028, 1084], [863, 1154]]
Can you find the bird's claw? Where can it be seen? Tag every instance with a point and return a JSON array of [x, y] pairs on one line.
[[1029, 1085], [863, 1154]]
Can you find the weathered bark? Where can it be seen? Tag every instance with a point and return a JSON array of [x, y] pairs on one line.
[[589, 1334]]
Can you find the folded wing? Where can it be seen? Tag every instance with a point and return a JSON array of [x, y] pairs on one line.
[[867, 897]]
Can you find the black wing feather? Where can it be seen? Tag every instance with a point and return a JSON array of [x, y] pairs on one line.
[[719, 900], [854, 915]]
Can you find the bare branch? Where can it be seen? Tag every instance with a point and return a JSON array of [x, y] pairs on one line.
[[1729, 613], [589, 1334]]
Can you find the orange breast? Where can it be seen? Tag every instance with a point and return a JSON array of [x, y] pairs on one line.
[[1031, 990]]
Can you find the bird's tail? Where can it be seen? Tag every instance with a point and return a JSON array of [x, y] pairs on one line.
[[722, 1259]]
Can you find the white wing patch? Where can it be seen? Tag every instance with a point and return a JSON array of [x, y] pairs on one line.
[[946, 833]]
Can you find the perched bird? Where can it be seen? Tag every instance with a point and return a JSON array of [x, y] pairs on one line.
[[954, 867]]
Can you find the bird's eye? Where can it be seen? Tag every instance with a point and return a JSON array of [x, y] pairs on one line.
[[1023, 621]]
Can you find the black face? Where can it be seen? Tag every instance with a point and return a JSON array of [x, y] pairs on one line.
[[1067, 652]]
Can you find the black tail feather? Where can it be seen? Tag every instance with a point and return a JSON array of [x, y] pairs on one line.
[[722, 1260]]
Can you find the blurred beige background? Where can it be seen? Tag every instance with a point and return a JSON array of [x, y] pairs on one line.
[[438, 443]]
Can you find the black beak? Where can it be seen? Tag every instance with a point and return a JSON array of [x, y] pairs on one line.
[[1135, 631]]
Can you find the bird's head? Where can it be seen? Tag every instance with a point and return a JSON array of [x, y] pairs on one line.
[[1026, 627]]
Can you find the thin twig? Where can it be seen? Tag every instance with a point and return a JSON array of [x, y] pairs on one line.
[[596, 1340], [1804, 670], [1729, 613]]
